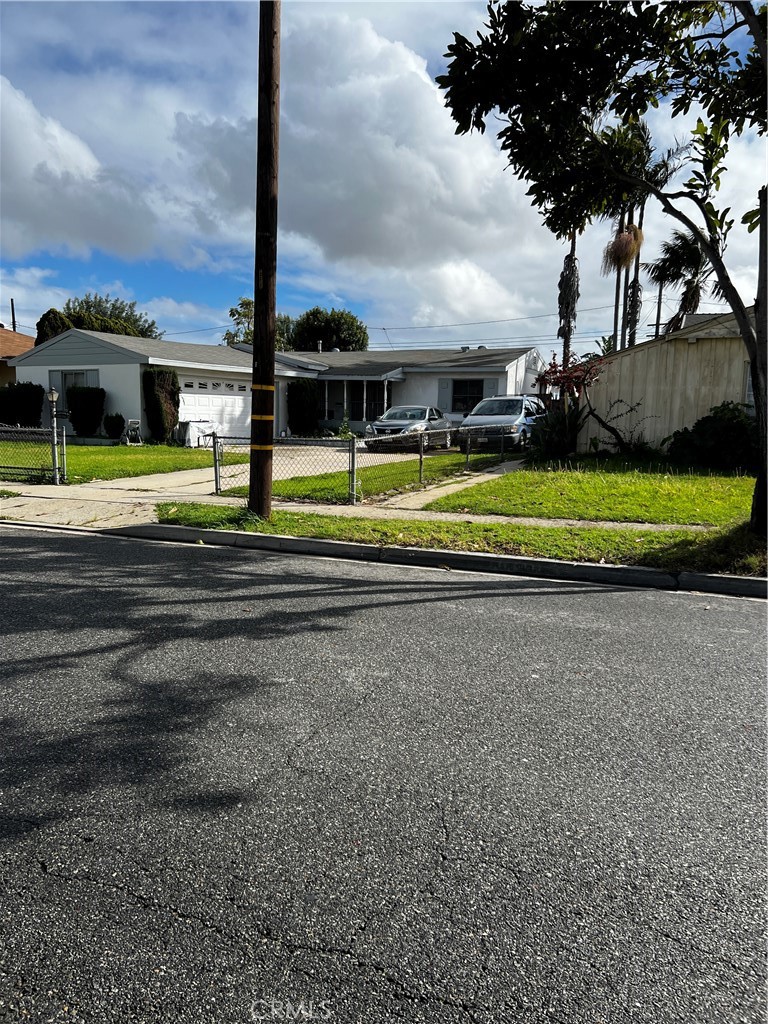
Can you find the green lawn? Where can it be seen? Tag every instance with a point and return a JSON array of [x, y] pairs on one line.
[[730, 550], [608, 494], [333, 488], [101, 462]]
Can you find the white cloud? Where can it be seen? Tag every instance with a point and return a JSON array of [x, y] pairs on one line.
[[148, 150]]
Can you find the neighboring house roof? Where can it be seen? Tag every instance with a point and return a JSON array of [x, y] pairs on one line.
[[152, 350], [710, 325], [14, 344]]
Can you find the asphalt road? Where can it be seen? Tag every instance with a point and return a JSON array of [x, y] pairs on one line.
[[238, 786]]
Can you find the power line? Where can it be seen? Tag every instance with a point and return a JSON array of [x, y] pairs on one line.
[[483, 323]]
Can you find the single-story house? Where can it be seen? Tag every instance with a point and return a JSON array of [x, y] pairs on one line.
[[673, 380], [215, 380], [362, 385], [12, 344]]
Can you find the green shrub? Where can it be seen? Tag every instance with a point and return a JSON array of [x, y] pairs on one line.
[[86, 407], [726, 439], [553, 435], [161, 402], [21, 403], [114, 425]]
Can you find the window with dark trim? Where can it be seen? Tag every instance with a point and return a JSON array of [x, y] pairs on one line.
[[466, 395]]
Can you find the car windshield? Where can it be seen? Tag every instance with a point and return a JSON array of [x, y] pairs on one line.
[[499, 407], [405, 412]]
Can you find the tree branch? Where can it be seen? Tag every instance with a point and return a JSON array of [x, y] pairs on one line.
[[755, 26]]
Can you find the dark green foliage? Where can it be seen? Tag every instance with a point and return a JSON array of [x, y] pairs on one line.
[[51, 324], [727, 438], [114, 424], [21, 403], [161, 402], [303, 398], [93, 322], [86, 408], [120, 314], [337, 328], [554, 435]]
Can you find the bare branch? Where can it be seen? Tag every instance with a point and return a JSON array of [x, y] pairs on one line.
[[756, 29]]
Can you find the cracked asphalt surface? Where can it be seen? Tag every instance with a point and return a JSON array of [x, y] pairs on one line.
[[240, 786]]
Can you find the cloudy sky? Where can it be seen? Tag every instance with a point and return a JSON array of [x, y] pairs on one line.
[[128, 166]]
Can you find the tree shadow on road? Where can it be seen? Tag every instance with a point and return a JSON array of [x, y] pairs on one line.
[[147, 671]]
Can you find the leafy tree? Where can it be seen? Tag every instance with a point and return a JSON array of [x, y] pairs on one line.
[[563, 75], [122, 314], [241, 332], [337, 328], [51, 324]]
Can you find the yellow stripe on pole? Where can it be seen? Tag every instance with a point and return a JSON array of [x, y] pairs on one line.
[[262, 417], [262, 447], [262, 387]]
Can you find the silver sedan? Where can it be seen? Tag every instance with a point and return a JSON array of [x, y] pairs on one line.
[[402, 424]]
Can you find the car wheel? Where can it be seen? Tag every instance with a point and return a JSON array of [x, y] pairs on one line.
[[447, 442], [524, 440]]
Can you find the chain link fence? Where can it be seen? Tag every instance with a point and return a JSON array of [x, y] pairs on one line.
[[344, 471], [33, 455]]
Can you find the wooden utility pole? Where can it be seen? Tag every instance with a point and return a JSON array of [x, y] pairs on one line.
[[263, 380]]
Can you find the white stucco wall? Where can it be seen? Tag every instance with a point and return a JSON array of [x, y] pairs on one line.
[[122, 383]]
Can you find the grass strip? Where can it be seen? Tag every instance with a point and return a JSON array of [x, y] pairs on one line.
[[733, 550], [384, 478], [609, 496]]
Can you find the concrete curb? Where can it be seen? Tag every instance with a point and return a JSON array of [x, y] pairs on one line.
[[512, 565]]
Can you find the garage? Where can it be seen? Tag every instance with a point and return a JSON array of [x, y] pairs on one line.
[[224, 401]]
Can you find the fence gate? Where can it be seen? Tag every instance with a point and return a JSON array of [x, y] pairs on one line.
[[31, 454]]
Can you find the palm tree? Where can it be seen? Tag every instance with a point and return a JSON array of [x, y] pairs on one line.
[[634, 150], [683, 265]]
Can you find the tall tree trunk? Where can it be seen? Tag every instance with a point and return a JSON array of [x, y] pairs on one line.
[[658, 309], [757, 367], [636, 305], [617, 294], [625, 300]]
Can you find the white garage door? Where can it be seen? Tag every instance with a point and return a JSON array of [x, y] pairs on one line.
[[226, 402]]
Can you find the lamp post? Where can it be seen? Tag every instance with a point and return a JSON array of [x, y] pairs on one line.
[[52, 397]]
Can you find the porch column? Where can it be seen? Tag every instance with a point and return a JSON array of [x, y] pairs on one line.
[[344, 411], [365, 401], [325, 411], [385, 395]]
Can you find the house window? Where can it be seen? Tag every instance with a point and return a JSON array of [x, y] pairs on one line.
[[241, 387], [229, 386], [189, 383], [202, 385], [216, 385], [64, 379], [466, 395]]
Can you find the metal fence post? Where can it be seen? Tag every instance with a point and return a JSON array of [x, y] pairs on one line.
[[63, 469], [468, 449], [421, 457], [216, 465], [352, 471], [54, 445]]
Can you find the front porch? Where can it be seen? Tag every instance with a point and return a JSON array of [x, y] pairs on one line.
[[357, 401]]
